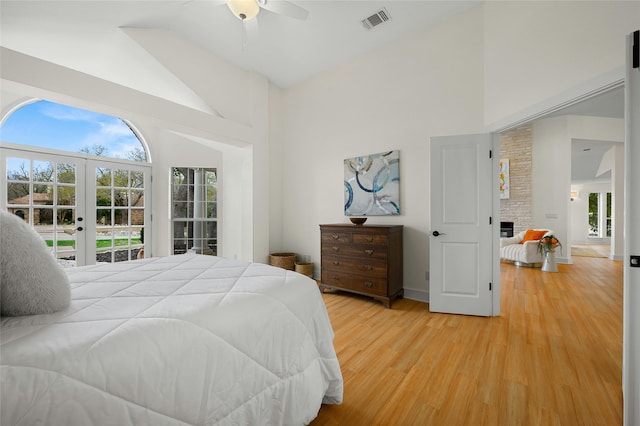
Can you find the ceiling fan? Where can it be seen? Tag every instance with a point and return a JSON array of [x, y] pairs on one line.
[[249, 9]]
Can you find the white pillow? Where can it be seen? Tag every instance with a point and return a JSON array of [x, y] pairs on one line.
[[31, 281]]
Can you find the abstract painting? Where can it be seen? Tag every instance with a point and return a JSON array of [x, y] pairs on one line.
[[504, 179], [372, 185]]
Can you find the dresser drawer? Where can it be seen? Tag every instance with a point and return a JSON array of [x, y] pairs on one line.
[[368, 267], [371, 239], [360, 252], [357, 283], [328, 237]]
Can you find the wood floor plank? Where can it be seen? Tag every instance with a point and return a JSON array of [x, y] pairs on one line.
[[553, 357]]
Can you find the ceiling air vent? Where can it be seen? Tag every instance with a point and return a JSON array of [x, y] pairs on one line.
[[376, 19]]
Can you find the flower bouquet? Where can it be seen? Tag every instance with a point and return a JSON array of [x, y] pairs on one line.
[[548, 244]]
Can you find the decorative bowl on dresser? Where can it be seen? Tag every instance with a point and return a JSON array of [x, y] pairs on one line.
[[363, 259]]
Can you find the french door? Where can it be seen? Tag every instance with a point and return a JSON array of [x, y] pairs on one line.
[[87, 210]]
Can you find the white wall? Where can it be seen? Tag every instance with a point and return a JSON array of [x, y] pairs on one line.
[[551, 170], [394, 98], [538, 50], [165, 157], [551, 178], [167, 126]]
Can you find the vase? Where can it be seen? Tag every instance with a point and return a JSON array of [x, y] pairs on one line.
[[550, 264]]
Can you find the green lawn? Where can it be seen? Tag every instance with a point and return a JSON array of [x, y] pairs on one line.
[[99, 243]]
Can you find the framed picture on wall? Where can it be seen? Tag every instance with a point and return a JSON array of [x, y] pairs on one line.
[[504, 178], [372, 185]]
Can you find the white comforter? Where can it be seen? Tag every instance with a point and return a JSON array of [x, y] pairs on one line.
[[180, 340]]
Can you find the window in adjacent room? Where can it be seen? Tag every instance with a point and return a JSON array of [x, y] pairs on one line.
[[600, 214], [194, 210]]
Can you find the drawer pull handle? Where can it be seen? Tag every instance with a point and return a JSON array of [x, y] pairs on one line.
[[368, 267], [335, 236], [335, 262], [369, 252], [368, 284], [336, 278], [335, 248], [370, 239]]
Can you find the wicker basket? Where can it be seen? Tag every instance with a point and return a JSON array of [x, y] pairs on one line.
[[283, 260], [305, 268]]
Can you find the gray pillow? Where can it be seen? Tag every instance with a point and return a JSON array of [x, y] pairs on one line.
[[31, 281]]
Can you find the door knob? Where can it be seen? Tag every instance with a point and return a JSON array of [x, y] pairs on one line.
[[436, 233]]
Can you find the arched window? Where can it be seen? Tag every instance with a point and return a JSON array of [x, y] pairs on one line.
[[82, 179], [56, 126]]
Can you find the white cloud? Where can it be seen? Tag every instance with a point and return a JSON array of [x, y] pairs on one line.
[[66, 113]]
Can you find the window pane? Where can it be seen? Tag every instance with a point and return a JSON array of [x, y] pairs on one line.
[[18, 193], [21, 213], [120, 197], [137, 216], [137, 179], [178, 177], [608, 214], [42, 171], [121, 178], [43, 195], [593, 214], [194, 196], [121, 217], [103, 176], [18, 169], [52, 122], [103, 197], [66, 196], [103, 216], [181, 210], [66, 173], [66, 217], [137, 198], [43, 216]]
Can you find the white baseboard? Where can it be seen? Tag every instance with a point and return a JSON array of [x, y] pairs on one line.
[[419, 295]]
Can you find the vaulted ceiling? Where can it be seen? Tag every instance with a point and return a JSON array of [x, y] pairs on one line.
[[90, 35]]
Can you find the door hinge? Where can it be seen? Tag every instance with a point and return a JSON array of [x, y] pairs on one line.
[[490, 154], [490, 287], [490, 220], [636, 50]]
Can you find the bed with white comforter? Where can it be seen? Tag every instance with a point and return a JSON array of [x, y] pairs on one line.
[[180, 340]]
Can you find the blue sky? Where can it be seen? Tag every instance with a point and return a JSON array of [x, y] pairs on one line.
[[61, 127]]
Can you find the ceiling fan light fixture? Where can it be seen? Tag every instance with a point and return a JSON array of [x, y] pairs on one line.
[[244, 9]]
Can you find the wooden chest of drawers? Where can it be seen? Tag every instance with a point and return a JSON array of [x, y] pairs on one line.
[[363, 259]]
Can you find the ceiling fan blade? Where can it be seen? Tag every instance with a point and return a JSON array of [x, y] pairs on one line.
[[286, 8], [252, 27], [250, 31]]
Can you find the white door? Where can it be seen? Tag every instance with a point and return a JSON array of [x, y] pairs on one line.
[[47, 191], [86, 210], [631, 320], [461, 248], [118, 193]]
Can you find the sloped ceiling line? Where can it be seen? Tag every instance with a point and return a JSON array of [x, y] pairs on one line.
[[216, 83]]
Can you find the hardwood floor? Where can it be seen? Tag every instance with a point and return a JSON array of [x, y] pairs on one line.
[[553, 357]]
